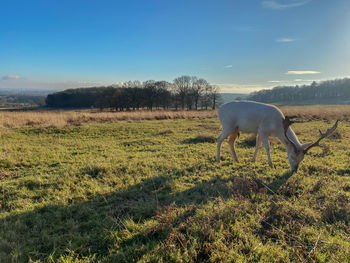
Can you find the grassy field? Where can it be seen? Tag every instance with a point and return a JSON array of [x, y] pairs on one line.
[[151, 191]]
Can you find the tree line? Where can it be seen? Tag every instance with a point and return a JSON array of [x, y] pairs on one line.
[[186, 92], [330, 91]]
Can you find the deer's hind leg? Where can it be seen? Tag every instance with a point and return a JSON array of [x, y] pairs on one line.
[[231, 142]]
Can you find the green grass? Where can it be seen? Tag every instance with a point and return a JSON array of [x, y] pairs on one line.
[[152, 192]]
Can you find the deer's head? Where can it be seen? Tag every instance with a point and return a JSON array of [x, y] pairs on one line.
[[297, 153]]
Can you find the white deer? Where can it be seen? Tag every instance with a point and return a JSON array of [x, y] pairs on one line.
[[264, 120]]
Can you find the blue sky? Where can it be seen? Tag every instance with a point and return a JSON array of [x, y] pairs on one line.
[[240, 45]]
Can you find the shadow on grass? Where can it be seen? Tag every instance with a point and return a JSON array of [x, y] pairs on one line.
[[249, 142], [200, 139], [89, 227], [276, 184], [344, 172]]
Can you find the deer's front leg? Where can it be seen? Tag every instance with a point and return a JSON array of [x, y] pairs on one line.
[[265, 141], [221, 138]]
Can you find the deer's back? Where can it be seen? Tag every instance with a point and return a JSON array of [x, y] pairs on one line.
[[249, 115]]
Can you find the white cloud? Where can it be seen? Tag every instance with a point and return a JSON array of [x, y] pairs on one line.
[[275, 81], [285, 39], [272, 4], [11, 76], [301, 72], [228, 66]]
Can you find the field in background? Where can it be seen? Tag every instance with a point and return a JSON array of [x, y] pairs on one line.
[[16, 119], [151, 191]]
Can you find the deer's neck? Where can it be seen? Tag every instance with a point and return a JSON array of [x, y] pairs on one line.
[[292, 136]]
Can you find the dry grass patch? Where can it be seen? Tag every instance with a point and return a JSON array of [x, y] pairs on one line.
[[5, 174], [17, 119], [61, 118], [319, 112]]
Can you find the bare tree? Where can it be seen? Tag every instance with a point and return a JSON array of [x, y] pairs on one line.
[[206, 97], [150, 93], [214, 95], [198, 87], [182, 87], [163, 96]]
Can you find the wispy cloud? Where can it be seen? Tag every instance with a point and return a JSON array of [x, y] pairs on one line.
[[11, 76], [310, 80], [289, 82], [272, 4], [228, 66], [302, 72], [285, 39]]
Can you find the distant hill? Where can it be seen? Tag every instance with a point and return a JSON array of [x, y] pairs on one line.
[[326, 92], [227, 97], [22, 97], [21, 100]]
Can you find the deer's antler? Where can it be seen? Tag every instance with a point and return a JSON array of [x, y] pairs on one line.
[[286, 123], [322, 136]]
